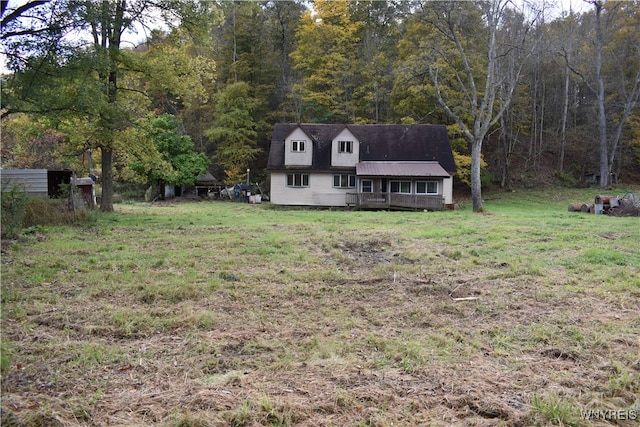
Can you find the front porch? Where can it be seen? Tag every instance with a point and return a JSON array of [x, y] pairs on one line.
[[395, 201]]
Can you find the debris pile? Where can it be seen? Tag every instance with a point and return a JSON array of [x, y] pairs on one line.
[[628, 205]]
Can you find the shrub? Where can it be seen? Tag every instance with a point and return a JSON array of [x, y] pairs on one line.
[[41, 211], [13, 211], [567, 178]]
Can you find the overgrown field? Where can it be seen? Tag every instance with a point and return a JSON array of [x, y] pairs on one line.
[[212, 313]]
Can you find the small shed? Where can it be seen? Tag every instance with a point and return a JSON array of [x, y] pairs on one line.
[[86, 190], [36, 182], [208, 184]]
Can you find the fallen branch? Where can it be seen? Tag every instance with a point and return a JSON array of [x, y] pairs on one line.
[[465, 299]]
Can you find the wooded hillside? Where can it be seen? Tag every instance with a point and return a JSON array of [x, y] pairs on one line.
[[537, 95]]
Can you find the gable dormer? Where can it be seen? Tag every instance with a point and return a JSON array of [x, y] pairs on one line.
[[298, 148], [345, 149]]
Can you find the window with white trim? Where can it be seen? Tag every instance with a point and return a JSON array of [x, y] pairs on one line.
[[403, 187], [366, 186], [297, 146], [345, 146], [344, 181], [427, 187], [297, 180]]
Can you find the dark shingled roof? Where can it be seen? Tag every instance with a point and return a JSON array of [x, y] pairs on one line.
[[377, 143]]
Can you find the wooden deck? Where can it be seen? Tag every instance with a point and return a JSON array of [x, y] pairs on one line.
[[394, 201]]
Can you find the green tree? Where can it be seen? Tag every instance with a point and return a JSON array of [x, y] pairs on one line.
[[325, 59], [84, 81], [235, 130], [179, 75], [282, 21], [379, 31], [172, 160]]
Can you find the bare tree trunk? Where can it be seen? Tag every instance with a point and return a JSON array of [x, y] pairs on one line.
[[106, 201], [602, 119], [534, 120], [481, 101], [565, 113], [115, 26], [476, 182], [541, 131], [630, 102], [505, 135]]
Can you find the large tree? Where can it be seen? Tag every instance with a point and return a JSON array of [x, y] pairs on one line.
[[173, 160], [282, 18], [325, 58], [379, 30], [235, 130], [608, 64], [473, 64], [90, 66]]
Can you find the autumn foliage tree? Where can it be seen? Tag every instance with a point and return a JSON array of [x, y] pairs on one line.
[[85, 78], [325, 59], [235, 130]]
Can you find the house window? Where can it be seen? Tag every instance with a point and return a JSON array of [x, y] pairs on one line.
[[297, 146], [345, 146], [427, 187], [403, 187], [297, 180], [344, 181], [367, 186]]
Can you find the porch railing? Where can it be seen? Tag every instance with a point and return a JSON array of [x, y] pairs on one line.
[[394, 200]]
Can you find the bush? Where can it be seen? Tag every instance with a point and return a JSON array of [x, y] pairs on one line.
[[41, 211], [567, 178], [13, 212], [20, 211]]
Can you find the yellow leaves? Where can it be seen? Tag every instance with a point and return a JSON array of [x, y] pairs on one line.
[[463, 164], [175, 69], [234, 175], [326, 54]]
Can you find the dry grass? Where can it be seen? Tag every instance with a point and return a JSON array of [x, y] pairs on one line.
[[226, 314]]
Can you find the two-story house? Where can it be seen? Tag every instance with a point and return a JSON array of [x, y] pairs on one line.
[[368, 166]]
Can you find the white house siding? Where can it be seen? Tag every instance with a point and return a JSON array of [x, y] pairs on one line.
[[303, 158], [34, 181], [319, 193], [344, 159], [447, 190]]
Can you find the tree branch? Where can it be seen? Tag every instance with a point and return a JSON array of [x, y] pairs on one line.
[[19, 11]]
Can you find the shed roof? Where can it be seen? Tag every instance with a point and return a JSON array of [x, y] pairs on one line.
[[207, 179], [401, 169]]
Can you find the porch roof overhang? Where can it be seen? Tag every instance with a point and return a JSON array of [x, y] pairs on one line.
[[401, 169]]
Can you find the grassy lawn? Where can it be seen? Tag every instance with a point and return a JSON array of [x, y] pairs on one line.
[[212, 313]]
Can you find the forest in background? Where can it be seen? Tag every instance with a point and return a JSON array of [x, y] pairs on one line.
[[535, 96]]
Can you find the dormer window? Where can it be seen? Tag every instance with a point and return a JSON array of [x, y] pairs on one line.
[[297, 146], [345, 146]]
